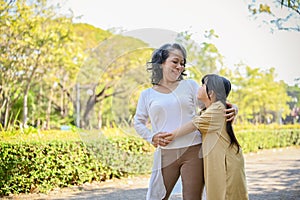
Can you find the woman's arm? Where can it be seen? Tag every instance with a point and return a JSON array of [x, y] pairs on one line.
[[231, 112], [141, 118], [139, 121]]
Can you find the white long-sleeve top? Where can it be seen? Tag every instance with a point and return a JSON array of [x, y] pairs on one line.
[[166, 113]]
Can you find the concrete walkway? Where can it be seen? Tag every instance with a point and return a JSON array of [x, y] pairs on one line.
[[274, 174], [271, 175]]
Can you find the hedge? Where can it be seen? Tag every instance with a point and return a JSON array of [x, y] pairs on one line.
[[29, 165], [41, 166], [253, 140]]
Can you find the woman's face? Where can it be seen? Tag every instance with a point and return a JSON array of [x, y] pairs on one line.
[[173, 66]]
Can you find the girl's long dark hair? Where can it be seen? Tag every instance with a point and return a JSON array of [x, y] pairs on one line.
[[233, 139], [222, 87]]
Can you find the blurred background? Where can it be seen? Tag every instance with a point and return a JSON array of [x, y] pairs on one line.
[[82, 63], [71, 72]]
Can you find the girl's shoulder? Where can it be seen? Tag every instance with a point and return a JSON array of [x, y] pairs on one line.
[[218, 104], [216, 107]]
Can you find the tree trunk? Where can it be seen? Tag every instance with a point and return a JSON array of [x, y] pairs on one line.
[[2, 112], [89, 107], [6, 114], [77, 106], [62, 104], [25, 109], [100, 117], [39, 103], [25, 106], [48, 112]]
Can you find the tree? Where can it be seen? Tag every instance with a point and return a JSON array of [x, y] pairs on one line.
[[292, 4], [103, 71], [257, 94], [203, 58], [35, 46], [294, 104], [280, 14]]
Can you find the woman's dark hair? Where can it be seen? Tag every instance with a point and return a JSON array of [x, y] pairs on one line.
[[221, 87], [159, 56]]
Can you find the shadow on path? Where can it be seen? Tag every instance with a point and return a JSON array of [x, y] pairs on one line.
[[291, 194], [274, 174], [106, 194]]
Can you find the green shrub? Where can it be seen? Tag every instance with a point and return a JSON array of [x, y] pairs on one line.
[[42, 166], [41, 161], [255, 139]]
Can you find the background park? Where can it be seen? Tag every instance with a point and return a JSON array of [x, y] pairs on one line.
[[68, 92]]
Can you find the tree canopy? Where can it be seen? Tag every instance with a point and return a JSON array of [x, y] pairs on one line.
[[54, 72], [280, 14]]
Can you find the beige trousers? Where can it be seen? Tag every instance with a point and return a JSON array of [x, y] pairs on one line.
[[187, 163]]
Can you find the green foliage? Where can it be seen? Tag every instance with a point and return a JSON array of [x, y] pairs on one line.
[[203, 57], [27, 166], [42, 166], [91, 36], [39, 50], [33, 134], [112, 70], [256, 93], [38, 162], [124, 155], [45, 54], [253, 138], [278, 13], [294, 93]]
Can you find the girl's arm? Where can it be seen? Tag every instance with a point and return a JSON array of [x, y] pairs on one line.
[[183, 130], [211, 120]]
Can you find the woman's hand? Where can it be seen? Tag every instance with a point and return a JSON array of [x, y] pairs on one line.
[[159, 139], [231, 112]]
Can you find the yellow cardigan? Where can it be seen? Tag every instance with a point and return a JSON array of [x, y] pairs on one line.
[[224, 171]]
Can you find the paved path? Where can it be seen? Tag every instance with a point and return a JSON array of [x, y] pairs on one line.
[[274, 174], [271, 175]]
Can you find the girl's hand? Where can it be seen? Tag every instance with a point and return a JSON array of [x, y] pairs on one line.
[[170, 137]]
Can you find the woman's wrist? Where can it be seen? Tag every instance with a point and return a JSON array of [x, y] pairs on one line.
[[236, 109]]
